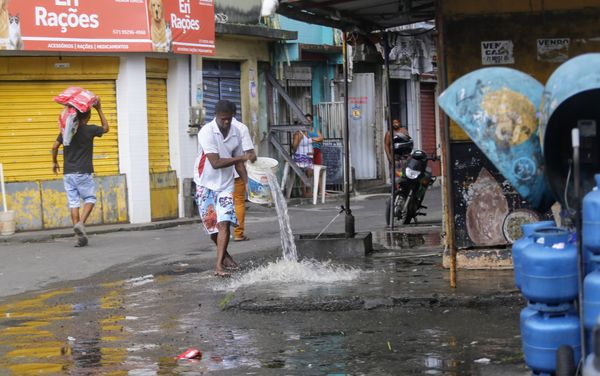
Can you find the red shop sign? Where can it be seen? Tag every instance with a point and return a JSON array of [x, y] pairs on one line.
[[179, 26]]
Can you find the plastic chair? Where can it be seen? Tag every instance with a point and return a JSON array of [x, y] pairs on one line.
[[317, 171]]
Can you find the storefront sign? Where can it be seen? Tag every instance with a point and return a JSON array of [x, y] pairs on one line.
[[497, 52], [179, 26]]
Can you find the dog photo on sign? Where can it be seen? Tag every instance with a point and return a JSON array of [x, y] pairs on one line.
[[159, 30]]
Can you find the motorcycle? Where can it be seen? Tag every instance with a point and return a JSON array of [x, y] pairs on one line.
[[413, 180]]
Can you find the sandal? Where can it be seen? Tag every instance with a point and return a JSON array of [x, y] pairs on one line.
[[243, 238]]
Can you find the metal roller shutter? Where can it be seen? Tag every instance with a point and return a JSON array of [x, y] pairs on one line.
[[158, 125], [428, 124], [211, 96], [221, 80], [230, 90], [29, 126]]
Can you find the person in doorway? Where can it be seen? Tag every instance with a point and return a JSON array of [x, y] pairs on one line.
[[239, 190], [317, 140], [303, 156], [221, 152], [78, 169], [397, 147]]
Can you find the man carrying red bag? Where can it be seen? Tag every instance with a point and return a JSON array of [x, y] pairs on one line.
[[78, 167]]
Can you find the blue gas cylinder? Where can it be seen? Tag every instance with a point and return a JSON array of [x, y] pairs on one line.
[[543, 333], [549, 268], [524, 241], [591, 299], [591, 219], [526, 313], [592, 362]]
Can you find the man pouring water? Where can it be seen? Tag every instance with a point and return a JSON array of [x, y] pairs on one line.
[[221, 153]]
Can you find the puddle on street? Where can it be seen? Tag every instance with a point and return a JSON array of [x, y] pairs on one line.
[[137, 326], [407, 238]]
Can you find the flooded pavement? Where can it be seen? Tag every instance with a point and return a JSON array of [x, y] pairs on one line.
[[396, 316]]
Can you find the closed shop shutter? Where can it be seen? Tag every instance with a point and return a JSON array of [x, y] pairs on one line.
[[211, 96], [428, 124], [29, 127], [230, 90], [158, 125], [221, 80]]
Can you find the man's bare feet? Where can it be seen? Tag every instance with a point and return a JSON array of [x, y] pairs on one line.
[[222, 274], [229, 263]]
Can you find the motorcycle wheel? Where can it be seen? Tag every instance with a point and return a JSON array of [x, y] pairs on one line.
[[398, 208]]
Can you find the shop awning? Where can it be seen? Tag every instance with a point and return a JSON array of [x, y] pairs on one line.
[[366, 15]]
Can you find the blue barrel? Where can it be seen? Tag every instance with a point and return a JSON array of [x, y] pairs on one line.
[[524, 241], [543, 333], [549, 268], [591, 219], [571, 95]]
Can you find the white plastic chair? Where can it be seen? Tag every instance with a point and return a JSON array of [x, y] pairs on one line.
[[318, 170]]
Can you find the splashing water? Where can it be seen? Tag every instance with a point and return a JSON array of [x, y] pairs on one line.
[[287, 237], [289, 269], [282, 271]]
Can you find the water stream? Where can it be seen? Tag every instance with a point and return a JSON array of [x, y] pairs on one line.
[[287, 237]]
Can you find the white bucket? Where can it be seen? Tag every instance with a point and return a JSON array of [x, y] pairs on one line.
[[7, 222], [258, 184]]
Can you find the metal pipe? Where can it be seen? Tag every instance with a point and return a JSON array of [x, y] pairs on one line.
[[386, 49], [581, 263], [349, 217], [445, 146]]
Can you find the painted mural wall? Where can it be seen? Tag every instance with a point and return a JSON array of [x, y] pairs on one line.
[[533, 37]]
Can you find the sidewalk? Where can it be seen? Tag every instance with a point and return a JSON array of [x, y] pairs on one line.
[[46, 235]]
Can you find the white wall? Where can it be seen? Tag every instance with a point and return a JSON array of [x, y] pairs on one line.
[[182, 146], [133, 135]]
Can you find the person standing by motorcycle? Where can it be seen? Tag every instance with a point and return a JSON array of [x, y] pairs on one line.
[[397, 147]]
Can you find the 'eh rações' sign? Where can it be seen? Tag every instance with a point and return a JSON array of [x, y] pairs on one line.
[[179, 26]]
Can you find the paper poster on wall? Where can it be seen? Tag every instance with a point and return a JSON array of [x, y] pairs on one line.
[[497, 52], [179, 26], [554, 50]]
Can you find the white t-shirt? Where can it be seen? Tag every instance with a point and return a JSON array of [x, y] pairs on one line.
[[210, 140], [247, 143]]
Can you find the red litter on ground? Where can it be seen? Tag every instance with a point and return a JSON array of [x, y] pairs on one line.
[[190, 354]]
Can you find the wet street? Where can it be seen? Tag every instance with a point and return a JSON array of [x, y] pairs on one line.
[[132, 301]]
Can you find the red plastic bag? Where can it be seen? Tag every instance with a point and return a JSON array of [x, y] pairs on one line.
[[77, 97], [68, 124], [190, 353]]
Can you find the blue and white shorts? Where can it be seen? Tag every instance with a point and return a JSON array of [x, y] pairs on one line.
[[215, 207], [80, 187]]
